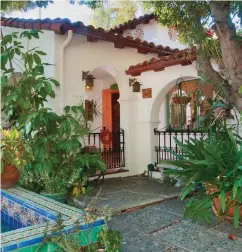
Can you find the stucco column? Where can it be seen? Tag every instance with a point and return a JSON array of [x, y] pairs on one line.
[[140, 140], [146, 144], [128, 121]]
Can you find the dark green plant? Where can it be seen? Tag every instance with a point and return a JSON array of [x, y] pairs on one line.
[[61, 240], [56, 140], [169, 180], [215, 162]]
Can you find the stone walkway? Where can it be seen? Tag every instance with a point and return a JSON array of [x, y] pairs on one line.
[[124, 193], [159, 227], [162, 227]]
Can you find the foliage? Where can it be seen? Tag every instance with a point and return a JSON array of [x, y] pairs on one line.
[[216, 163], [116, 13], [192, 20], [25, 5], [14, 150], [55, 139], [10, 6], [170, 181], [108, 240]]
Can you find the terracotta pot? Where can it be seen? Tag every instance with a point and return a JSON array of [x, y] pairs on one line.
[[9, 177], [230, 212], [217, 203], [181, 99]]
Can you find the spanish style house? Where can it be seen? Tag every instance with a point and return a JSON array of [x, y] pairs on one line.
[[134, 72]]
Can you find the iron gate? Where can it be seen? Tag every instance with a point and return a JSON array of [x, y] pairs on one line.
[[113, 153], [166, 142]]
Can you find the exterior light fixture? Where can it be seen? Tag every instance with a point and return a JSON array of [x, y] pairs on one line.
[[135, 84], [89, 80]]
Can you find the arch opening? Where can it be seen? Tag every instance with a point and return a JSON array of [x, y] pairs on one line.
[[181, 106]]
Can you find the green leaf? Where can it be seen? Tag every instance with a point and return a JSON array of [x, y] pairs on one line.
[[17, 51], [236, 186], [4, 59], [30, 60], [186, 190], [35, 33], [7, 39], [236, 215], [52, 94], [4, 81], [222, 199], [37, 59], [40, 53], [74, 109], [55, 82], [67, 109], [39, 70], [26, 104], [48, 88]]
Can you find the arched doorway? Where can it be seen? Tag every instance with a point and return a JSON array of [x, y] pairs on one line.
[[106, 133], [179, 109]]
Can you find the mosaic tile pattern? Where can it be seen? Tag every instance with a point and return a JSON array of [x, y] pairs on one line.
[[21, 214], [43, 206]]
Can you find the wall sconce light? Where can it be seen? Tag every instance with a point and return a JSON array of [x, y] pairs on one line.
[[89, 80], [136, 85]]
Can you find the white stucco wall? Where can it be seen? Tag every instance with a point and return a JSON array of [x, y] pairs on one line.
[[138, 116], [156, 33]]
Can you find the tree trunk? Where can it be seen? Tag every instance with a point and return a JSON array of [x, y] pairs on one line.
[[231, 51]]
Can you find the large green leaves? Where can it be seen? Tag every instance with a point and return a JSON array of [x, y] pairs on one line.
[[215, 161], [56, 140]]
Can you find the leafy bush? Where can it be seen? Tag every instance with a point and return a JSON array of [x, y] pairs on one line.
[[216, 163], [55, 139]]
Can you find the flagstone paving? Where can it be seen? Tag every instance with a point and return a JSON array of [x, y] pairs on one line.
[[162, 228], [124, 193]]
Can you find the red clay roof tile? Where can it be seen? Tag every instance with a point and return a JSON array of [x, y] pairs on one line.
[[131, 24], [61, 26], [183, 57]]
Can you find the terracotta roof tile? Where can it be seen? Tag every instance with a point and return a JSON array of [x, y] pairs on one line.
[[61, 26], [131, 24], [183, 57]]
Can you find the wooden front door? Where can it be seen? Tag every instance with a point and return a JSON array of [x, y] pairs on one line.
[[111, 114], [115, 121]]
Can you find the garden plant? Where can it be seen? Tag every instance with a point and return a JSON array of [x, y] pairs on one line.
[[56, 140]]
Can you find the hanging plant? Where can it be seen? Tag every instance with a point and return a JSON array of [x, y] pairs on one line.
[[177, 99]]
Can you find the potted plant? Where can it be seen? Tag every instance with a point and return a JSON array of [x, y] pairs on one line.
[[91, 149], [15, 155], [215, 163], [181, 99]]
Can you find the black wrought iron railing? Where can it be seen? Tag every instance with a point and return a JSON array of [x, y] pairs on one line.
[[113, 153], [166, 141]]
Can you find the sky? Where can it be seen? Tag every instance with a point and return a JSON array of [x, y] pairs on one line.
[[60, 8]]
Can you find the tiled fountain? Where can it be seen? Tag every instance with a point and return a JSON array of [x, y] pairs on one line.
[[24, 216]]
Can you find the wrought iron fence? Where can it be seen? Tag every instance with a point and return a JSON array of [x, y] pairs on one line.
[[112, 153], [166, 141]]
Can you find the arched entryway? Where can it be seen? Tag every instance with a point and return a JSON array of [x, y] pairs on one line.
[[179, 108], [106, 133]]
